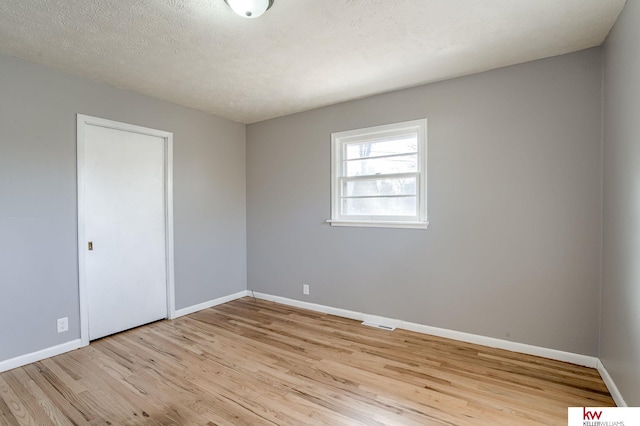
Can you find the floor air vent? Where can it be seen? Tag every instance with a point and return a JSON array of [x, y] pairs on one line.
[[380, 326]]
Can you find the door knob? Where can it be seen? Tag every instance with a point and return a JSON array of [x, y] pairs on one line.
[[90, 245]]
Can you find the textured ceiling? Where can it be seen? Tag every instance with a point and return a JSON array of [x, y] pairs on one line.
[[300, 54]]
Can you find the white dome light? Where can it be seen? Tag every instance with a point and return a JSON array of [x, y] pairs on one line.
[[249, 8]]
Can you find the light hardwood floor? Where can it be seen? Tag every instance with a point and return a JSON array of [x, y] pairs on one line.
[[251, 362]]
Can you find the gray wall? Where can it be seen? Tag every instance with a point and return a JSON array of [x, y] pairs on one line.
[[620, 325], [38, 213], [514, 192]]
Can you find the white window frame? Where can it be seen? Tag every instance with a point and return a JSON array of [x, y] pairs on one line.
[[340, 139]]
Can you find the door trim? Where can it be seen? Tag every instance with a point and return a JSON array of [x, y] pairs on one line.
[[82, 122]]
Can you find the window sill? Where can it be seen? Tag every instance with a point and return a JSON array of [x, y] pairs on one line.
[[379, 224]]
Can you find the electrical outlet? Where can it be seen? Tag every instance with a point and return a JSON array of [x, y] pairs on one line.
[[63, 324], [305, 289]]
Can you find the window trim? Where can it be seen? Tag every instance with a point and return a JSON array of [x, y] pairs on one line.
[[339, 139]]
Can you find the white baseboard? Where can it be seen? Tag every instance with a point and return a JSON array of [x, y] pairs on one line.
[[584, 360], [21, 360], [613, 389], [205, 305], [578, 359], [570, 357]]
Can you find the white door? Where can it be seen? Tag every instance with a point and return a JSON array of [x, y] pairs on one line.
[[125, 259]]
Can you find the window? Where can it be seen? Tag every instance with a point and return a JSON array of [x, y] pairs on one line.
[[378, 176]]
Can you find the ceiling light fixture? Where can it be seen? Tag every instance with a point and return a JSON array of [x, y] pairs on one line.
[[249, 8]]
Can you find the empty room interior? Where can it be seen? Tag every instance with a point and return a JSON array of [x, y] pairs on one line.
[[318, 212]]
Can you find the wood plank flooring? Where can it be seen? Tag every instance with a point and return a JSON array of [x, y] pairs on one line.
[[252, 362]]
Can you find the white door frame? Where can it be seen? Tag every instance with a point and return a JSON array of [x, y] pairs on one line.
[[82, 122]]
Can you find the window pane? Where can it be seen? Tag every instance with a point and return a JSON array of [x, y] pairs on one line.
[[403, 144], [378, 175], [396, 206], [368, 167], [397, 186]]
